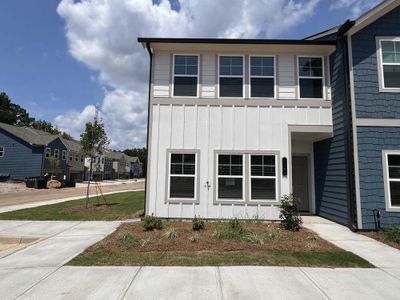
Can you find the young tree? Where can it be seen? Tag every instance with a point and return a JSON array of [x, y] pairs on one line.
[[93, 140]]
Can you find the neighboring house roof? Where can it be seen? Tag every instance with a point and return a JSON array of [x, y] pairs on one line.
[[131, 159], [362, 21], [72, 145], [31, 136]]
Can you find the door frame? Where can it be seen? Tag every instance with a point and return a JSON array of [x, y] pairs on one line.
[[310, 165]]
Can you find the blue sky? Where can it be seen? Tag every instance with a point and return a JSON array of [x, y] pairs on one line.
[[49, 74]]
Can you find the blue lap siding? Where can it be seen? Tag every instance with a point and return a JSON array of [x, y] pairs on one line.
[[330, 159], [370, 103], [20, 159], [371, 142]]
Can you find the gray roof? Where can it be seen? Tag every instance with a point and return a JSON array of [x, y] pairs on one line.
[[32, 136], [72, 145]]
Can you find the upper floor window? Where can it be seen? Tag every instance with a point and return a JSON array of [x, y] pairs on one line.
[[262, 76], [311, 77], [56, 153], [2, 151], [231, 76], [64, 155], [390, 63], [392, 180], [47, 152], [186, 71]]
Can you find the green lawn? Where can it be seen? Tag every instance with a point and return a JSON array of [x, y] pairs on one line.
[[121, 206], [329, 259]]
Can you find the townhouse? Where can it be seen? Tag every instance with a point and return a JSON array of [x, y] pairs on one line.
[[234, 124]]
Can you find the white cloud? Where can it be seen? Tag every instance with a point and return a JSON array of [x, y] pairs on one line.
[[74, 121], [357, 7], [102, 34]]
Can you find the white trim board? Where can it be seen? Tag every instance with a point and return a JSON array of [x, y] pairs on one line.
[[378, 122]]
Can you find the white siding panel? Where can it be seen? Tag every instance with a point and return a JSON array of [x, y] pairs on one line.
[[162, 74], [211, 128], [208, 75], [286, 77]]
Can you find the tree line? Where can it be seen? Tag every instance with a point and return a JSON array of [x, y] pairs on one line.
[[13, 114]]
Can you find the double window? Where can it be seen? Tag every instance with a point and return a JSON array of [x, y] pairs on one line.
[[56, 153], [186, 73], [47, 152], [392, 164], [261, 178], [390, 63], [230, 76], [311, 77], [262, 76], [230, 176], [182, 176], [2, 151]]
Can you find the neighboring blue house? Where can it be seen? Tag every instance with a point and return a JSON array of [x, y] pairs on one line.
[[25, 152], [357, 171]]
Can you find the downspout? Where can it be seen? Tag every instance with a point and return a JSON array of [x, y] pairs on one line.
[[352, 202], [148, 126]]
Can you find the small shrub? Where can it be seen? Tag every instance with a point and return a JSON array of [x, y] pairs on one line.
[[198, 223], [194, 238], [171, 233], [151, 222], [393, 234], [289, 214], [312, 241], [273, 232], [255, 238], [217, 234], [145, 242], [235, 223], [127, 239]]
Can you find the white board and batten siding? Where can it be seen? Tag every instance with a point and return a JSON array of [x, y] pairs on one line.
[[207, 128]]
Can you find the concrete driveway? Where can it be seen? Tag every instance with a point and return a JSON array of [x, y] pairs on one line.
[[37, 272]]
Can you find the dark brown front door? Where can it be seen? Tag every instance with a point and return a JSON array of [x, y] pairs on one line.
[[300, 181]]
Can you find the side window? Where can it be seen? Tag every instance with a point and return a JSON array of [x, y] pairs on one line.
[[389, 63], [64, 155], [2, 151], [186, 71], [311, 77], [182, 176], [393, 180], [262, 76], [231, 76], [56, 153], [230, 179], [47, 152]]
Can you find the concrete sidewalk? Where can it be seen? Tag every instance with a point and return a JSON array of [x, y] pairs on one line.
[[37, 272]]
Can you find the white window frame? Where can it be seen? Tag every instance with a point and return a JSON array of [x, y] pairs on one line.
[[57, 156], [184, 75], [64, 154], [380, 63], [195, 175], [243, 177], [387, 180], [47, 152], [311, 77], [264, 177], [231, 76], [261, 76], [2, 151]]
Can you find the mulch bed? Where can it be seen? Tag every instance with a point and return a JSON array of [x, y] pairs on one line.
[[274, 238], [379, 236]]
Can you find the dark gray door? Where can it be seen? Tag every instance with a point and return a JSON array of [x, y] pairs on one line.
[[300, 181]]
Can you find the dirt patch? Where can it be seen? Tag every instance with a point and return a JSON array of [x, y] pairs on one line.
[[133, 238], [83, 209], [380, 236], [12, 187]]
